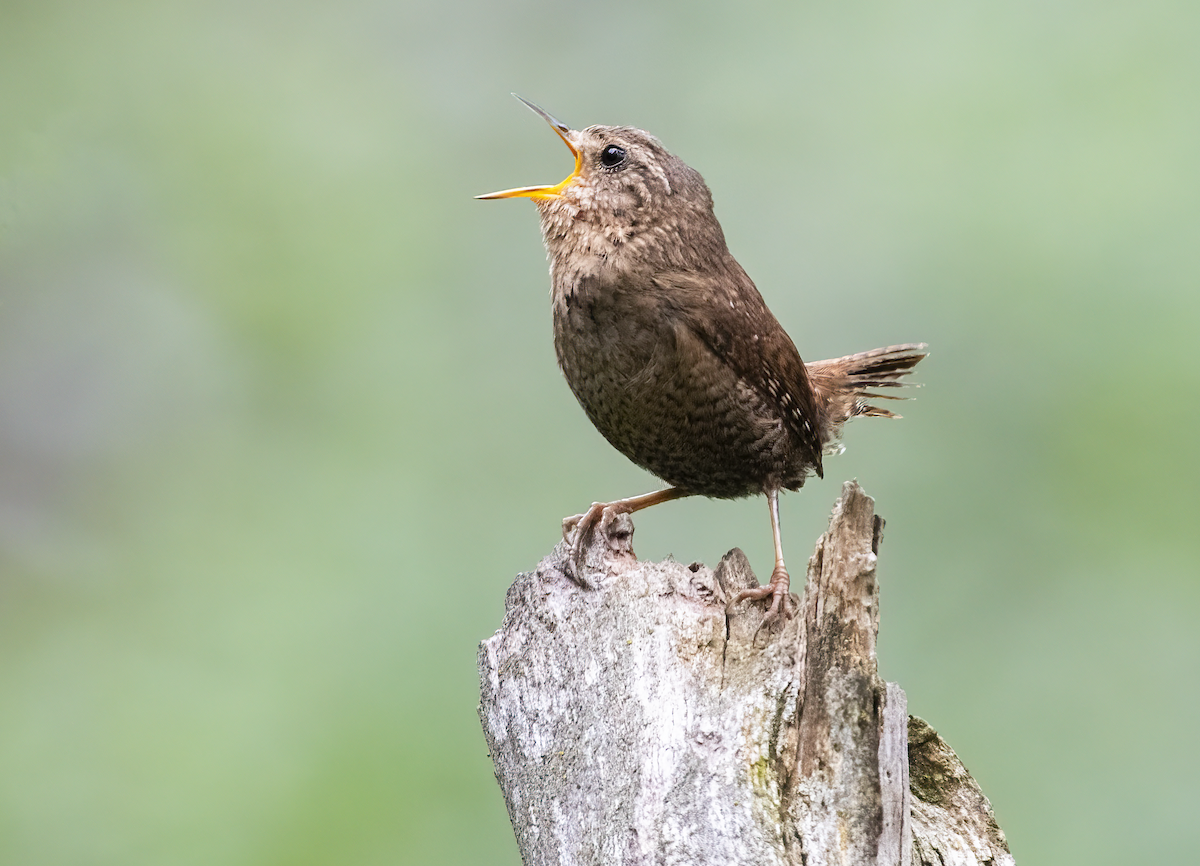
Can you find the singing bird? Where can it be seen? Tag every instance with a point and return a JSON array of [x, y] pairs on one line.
[[670, 348]]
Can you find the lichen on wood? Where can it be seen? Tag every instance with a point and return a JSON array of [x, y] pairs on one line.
[[635, 716]]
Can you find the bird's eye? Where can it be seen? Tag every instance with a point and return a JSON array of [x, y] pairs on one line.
[[612, 156]]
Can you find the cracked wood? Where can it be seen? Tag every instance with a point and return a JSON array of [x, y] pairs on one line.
[[633, 719]]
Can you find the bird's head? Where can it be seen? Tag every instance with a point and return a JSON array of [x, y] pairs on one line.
[[625, 184]]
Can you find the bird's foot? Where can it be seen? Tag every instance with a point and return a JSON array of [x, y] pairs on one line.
[[777, 589], [583, 524], [610, 520]]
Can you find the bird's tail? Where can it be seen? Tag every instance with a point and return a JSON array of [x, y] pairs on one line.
[[842, 385]]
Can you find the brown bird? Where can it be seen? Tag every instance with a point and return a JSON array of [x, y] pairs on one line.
[[669, 347]]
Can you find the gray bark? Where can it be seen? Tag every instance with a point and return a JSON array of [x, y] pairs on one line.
[[635, 717]]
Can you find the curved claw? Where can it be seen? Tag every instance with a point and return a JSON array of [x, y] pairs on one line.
[[590, 519], [601, 514], [781, 598], [584, 526]]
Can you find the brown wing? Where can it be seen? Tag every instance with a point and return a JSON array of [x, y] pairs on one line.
[[725, 310]]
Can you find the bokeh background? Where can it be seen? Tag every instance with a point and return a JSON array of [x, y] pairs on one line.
[[280, 419]]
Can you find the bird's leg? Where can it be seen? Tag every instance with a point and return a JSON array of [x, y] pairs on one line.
[[778, 587], [585, 525]]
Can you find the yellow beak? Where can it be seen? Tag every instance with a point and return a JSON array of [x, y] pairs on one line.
[[536, 192]]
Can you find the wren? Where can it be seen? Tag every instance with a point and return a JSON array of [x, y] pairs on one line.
[[670, 348]]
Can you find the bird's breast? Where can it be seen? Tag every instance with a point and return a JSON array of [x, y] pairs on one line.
[[659, 394]]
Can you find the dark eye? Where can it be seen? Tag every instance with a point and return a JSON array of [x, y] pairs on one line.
[[612, 156]]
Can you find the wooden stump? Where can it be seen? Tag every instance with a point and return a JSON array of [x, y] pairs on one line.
[[634, 717]]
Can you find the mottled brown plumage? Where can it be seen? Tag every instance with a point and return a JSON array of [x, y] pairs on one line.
[[669, 347]]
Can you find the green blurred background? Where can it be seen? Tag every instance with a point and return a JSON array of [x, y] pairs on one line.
[[280, 420]]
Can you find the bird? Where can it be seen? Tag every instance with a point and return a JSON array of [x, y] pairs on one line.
[[670, 348]]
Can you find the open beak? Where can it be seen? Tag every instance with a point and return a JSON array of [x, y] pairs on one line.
[[536, 192]]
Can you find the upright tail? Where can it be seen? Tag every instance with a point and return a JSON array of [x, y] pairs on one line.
[[842, 384]]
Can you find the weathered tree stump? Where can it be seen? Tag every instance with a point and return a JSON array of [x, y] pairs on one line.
[[635, 718]]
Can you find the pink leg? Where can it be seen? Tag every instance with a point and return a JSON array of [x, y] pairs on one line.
[[777, 588], [585, 524]]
